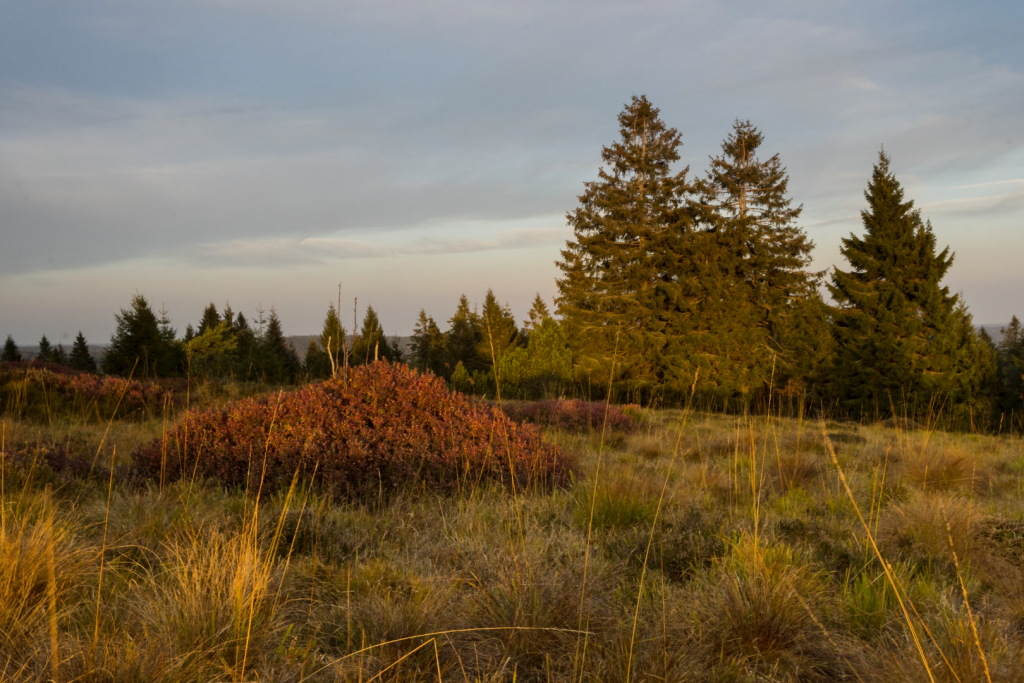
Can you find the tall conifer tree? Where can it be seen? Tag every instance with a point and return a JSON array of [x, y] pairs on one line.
[[498, 329], [744, 202], [462, 338], [901, 337], [11, 353], [332, 338], [80, 358], [141, 342], [612, 297], [428, 345], [45, 354]]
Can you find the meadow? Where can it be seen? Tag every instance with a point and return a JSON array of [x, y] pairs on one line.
[[675, 545]]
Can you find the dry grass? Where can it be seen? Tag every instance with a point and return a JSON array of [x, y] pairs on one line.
[[756, 567]]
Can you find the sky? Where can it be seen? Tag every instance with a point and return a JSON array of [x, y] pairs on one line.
[[262, 153]]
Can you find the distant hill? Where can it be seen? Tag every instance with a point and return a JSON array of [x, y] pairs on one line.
[[300, 342], [994, 331]]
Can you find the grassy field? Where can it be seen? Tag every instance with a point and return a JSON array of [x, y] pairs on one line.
[[703, 547]]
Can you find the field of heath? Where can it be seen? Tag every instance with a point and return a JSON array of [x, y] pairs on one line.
[[223, 533]]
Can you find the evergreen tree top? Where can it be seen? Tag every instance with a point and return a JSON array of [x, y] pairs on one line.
[[743, 187], [538, 313], [11, 353], [333, 332], [80, 358], [45, 350], [897, 250], [211, 318]]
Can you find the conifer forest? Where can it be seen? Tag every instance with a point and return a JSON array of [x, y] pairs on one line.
[[701, 461]]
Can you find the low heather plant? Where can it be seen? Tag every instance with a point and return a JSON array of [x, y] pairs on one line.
[[384, 427], [40, 390], [573, 415]]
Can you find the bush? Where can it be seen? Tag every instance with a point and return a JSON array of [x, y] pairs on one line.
[[42, 390], [385, 427], [573, 415]]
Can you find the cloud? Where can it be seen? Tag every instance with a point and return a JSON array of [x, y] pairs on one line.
[[460, 238], [1010, 202]]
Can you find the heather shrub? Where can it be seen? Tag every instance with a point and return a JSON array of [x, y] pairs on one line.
[[573, 415], [42, 390], [383, 428]]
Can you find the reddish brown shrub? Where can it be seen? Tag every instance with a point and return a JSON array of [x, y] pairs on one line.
[[31, 389], [573, 415], [385, 427]]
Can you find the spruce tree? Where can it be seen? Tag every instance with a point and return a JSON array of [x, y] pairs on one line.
[[80, 358], [332, 339], [428, 345], [141, 343], [45, 354], [538, 312], [11, 353], [499, 332], [281, 362], [60, 356], [1011, 367], [210, 319], [901, 337], [462, 338], [612, 294], [318, 365], [371, 341], [744, 202]]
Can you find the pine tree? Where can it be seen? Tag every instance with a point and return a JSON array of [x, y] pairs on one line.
[[612, 295], [60, 356], [743, 200], [45, 354], [1011, 367], [462, 338], [11, 353], [281, 362], [428, 345], [900, 339], [80, 358], [499, 332], [332, 339], [371, 343], [538, 312], [318, 365], [141, 345], [211, 318]]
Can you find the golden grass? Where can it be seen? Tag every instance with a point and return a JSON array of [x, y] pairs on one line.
[[758, 565]]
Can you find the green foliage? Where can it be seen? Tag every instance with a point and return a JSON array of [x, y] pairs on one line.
[[538, 312], [332, 340], [210, 319], [461, 380], [142, 344], [11, 353], [371, 344], [276, 360], [463, 337], [900, 335], [316, 361], [1011, 367], [612, 293], [80, 358], [59, 355], [498, 331], [428, 345], [45, 354], [543, 367]]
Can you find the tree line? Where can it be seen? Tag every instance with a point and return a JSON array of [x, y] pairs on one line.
[[672, 286]]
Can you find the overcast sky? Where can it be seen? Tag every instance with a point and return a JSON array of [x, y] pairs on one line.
[[261, 152]]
